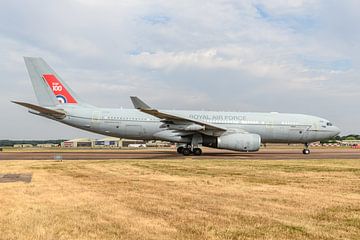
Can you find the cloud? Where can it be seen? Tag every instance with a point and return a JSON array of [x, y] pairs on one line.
[[78, 46], [156, 19], [169, 60], [295, 73]]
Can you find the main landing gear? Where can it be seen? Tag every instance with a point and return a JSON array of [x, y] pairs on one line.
[[193, 147], [180, 149], [306, 150], [186, 151]]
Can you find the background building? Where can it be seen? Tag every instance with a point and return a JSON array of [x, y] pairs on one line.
[[350, 142], [79, 142], [47, 145], [23, 145], [109, 142]]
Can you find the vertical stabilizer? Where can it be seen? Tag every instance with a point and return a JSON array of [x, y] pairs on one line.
[[49, 88]]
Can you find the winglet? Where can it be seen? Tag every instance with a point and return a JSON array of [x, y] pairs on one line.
[[139, 104]]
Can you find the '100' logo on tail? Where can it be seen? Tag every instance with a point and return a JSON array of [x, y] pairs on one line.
[[58, 89]]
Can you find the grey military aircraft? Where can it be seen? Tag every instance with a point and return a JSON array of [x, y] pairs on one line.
[[238, 131]]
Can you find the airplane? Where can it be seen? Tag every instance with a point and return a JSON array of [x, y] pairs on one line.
[[238, 131]]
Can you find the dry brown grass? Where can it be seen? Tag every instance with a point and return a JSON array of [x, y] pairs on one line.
[[182, 199]]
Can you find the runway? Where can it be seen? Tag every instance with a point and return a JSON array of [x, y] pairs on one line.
[[269, 154]]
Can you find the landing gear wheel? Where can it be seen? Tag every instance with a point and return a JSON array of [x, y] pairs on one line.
[[197, 151], [306, 151], [180, 149], [186, 152]]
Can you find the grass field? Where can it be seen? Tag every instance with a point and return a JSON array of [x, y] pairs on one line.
[[182, 199]]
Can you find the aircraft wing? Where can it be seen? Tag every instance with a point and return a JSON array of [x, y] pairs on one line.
[[187, 124], [42, 110]]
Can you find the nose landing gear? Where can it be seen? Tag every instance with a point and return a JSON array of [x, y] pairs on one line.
[[306, 150]]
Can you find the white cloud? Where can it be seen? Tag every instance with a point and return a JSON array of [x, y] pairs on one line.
[[288, 7], [255, 63], [77, 46], [169, 60]]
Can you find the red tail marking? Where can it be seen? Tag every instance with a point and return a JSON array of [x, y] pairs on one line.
[[58, 89]]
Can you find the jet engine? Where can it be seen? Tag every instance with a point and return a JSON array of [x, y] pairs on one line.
[[244, 142]]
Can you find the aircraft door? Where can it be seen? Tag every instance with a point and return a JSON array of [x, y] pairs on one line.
[[133, 130], [311, 134], [283, 134], [95, 120], [269, 131]]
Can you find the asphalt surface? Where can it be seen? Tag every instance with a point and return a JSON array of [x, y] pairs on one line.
[[17, 177], [274, 154]]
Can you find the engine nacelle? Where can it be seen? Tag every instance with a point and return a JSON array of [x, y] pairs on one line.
[[244, 142]]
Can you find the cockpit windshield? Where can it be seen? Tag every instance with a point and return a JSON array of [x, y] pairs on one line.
[[328, 124]]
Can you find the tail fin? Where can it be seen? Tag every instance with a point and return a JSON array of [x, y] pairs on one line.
[[50, 90]]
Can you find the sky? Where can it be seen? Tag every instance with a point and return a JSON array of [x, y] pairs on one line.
[[298, 56]]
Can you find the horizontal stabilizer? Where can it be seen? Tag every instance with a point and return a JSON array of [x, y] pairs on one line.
[[42, 110]]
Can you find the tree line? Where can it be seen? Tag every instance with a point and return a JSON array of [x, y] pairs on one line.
[[342, 138]]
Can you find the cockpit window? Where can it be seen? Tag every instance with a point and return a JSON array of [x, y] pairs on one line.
[[329, 124]]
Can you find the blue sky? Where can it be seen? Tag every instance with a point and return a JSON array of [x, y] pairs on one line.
[[298, 56]]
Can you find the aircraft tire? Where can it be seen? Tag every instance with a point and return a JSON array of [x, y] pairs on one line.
[[180, 149], [186, 152], [306, 151]]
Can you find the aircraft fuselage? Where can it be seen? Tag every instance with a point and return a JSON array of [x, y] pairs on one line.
[[133, 124]]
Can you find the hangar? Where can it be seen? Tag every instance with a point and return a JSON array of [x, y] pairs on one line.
[[79, 142], [108, 142]]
